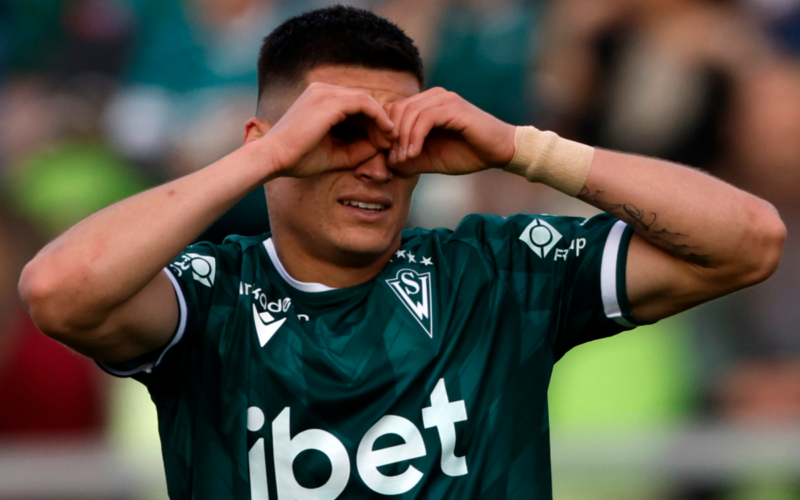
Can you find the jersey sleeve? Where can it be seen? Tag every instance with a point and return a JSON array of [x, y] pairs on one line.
[[192, 274], [592, 297], [566, 273]]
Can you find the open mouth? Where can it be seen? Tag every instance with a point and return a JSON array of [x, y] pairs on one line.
[[367, 207]]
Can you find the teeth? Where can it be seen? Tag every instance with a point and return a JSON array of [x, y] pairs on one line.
[[365, 206]]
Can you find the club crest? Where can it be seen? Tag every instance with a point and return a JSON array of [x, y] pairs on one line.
[[414, 291]]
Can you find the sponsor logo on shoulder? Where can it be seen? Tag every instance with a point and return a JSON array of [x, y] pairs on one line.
[[541, 237], [414, 291], [203, 267]]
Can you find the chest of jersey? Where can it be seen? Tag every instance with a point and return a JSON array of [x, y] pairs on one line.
[[394, 387]]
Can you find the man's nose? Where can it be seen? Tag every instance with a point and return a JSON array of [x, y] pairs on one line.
[[375, 169]]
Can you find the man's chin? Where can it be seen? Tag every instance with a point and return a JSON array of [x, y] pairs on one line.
[[361, 251]]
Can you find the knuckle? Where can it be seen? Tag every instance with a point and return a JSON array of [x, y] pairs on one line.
[[413, 107]]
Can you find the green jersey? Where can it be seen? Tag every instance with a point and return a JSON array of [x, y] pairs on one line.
[[427, 382]]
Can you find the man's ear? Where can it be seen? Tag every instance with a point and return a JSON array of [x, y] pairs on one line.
[[255, 129]]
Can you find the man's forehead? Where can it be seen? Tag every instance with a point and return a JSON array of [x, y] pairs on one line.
[[384, 85]]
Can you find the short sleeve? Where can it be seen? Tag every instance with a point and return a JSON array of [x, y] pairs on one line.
[[593, 300], [193, 274], [567, 274]]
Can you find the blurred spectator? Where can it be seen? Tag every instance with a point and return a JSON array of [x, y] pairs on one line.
[[32, 34], [190, 80], [57, 168], [420, 20], [5, 39], [189, 87], [25, 101], [484, 52], [750, 339], [60, 185], [45, 389], [782, 21], [648, 76], [98, 34]]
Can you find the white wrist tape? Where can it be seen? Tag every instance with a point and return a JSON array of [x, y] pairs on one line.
[[547, 158]]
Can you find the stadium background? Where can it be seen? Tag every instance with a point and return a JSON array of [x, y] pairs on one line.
[[102, 98]]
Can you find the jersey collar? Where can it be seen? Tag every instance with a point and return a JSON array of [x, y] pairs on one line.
[[300, 285]]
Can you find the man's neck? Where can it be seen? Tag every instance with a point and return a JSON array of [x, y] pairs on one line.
[[338, 271]]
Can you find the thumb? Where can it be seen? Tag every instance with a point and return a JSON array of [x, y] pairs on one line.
[[353, 155], [414, 166]]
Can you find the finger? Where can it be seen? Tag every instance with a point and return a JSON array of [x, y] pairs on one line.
[[378, 137], [353, 154], [397, 108], [414, 166], [396, 113], [389, 107], [409, 118], [426, 121], [361, 102]]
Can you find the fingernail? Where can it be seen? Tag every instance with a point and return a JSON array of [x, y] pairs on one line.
[[393, 157], [402, 152], [410, 150]]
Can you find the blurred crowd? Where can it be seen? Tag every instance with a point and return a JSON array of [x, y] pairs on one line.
[[100, 99]]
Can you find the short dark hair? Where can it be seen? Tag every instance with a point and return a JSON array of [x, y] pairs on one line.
[[337, 35]]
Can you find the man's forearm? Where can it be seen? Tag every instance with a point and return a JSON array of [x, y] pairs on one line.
[[109, 257], [687, 213], [698, 237]]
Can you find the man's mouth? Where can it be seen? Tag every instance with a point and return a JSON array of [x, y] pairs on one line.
[[368, 207]]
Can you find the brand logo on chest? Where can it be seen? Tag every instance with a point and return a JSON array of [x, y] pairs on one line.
[[267, 323], [414, 291]]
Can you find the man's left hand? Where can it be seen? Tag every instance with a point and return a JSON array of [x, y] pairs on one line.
[[440, 132]]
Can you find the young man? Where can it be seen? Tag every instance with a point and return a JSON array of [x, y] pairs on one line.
[[341, 357]]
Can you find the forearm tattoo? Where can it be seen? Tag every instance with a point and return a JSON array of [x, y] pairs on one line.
[[646, 225]]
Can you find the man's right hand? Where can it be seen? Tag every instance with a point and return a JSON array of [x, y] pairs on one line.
[[99, 287], [328, 127]]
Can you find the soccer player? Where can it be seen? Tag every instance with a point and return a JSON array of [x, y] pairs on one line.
[[341, 357]]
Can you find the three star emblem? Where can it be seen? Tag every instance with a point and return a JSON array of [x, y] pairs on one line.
[[412, 259]]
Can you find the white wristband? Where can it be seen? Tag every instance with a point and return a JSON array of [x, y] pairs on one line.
[[547, 158]]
